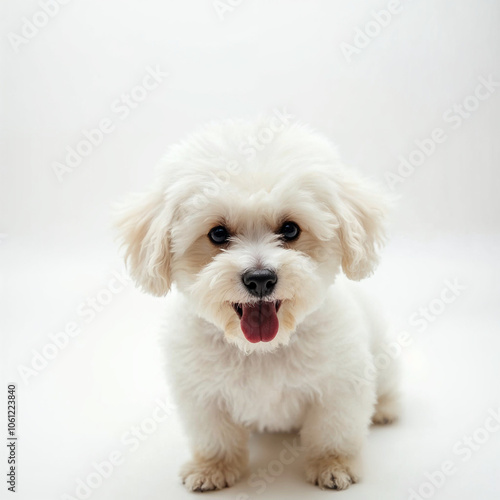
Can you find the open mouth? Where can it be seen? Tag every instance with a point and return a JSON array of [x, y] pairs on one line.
[[259, 320]]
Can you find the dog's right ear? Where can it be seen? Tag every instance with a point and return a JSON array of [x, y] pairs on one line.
[[143, 226]]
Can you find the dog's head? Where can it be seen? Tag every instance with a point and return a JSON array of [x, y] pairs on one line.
[[253, 232]]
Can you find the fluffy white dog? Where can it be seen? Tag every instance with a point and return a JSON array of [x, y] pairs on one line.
[[253, 225]]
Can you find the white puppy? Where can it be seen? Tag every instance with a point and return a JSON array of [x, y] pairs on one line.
[[254, 227]]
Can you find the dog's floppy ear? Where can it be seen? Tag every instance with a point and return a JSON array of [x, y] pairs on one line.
[[361, 210], [143, 226]]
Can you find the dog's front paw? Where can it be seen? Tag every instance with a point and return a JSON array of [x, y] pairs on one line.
[[331, 472], [209, 474]]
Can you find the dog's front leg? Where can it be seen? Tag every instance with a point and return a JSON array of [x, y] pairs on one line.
[[219, 447], [333, 434]]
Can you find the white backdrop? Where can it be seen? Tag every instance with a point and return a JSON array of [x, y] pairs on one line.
[[410, 92]]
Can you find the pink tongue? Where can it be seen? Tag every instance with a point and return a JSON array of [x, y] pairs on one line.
[[259, 322]]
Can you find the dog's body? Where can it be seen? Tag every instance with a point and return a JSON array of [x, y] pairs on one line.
[[263, 333]]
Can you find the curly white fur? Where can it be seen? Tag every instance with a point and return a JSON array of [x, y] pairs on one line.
[[317, 374]]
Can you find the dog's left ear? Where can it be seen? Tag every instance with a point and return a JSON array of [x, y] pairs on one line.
[[361, 209]]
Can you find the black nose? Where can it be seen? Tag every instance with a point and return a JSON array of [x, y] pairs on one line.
[[260, 282]]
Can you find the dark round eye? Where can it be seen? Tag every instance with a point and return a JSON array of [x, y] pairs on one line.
[[290, 231], [218, 235]]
